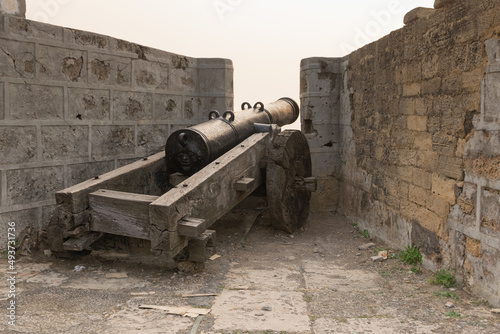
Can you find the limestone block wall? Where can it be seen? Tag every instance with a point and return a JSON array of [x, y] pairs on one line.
[[74, 105], [419, 160], [320, 84]]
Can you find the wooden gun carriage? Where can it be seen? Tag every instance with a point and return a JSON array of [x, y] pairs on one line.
[[225, 160]]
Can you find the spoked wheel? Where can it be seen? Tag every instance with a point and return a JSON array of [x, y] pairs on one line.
[[288, 172]]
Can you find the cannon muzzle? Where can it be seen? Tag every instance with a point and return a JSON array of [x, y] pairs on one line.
[[189, 150]]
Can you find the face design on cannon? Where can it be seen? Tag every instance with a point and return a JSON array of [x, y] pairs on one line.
[[186, 159]]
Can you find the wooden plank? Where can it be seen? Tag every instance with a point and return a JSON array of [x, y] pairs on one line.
[[143, 176], [244, 184], [120, 213], [185, 311], [177, 178], [210, 193], [81, 243], [191, 227], [197, 247]]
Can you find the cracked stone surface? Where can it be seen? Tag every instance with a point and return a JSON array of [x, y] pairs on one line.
[[314, 281]]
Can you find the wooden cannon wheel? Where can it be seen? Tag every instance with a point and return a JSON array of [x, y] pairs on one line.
[[289, 164]]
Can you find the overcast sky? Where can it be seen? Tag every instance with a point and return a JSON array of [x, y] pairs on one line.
[[265, 39]]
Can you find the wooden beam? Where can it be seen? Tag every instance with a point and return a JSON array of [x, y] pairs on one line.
[[120, 213], [191, 227], [244, 184], [209, 193], [144, 176], [82, 242]]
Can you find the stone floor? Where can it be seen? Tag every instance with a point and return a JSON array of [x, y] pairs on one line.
[[265, 281]]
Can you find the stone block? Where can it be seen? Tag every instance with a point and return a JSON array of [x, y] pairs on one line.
[[492, 97], [151, 138], [80, 172], [123, 162], [36, 102], [32, 29], [451, 167], [30, 185], [196, 109], [48, 212], [490, 208], [422, 178], [112, 141], [444, 144], [416, 14], [444, 187], [430, 66], [320, 75], [65, 142], [61, 64], [432, 86], [405, 173], [18, 144], [418, 195], [326, 196], [110, 70], [22, 219], [442, 3], [412, 89], [183, 80], [213, 81], [167, 107], [417, 123], [134, 106], [13, 7], [320, 109], [150, 75], [88, 104], [403, 157], [17, 60], [431, 221], [422, 141], [473, 247], [437, 205], [86, 39]]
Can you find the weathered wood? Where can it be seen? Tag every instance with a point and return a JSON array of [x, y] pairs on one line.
[[289, 159], [244, 184], [143, 176], [81, 243], [197, 247], [120, 213], [177, 178], [209, 193], [191, 227]]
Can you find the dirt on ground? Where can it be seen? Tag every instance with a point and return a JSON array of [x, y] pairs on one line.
[[316, 280]]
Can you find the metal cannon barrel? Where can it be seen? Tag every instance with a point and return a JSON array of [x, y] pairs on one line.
[[189, 150]]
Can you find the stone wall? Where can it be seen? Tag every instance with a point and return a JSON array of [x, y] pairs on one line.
[[416, 126], [74, 105]]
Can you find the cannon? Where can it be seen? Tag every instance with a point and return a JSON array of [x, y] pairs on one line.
[[172, 198], [189, 150]]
